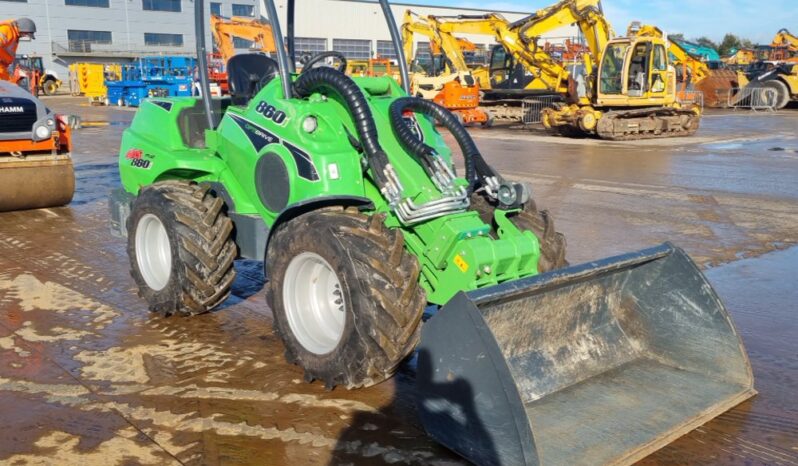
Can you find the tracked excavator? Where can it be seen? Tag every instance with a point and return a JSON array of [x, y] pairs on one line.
[[35, 143], [449, 82], [346, 190]]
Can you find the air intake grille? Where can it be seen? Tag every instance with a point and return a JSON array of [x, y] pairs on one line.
[[16, 115]]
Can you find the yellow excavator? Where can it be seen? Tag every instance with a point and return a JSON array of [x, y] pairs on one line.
[[627, 89], [448, 81], [787, 43]]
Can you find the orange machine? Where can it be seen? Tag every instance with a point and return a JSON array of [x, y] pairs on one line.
[[463, 101], [448, 81], [35, 144], [225, 30]]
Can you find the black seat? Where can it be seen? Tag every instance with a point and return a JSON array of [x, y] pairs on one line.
[[247, 73]]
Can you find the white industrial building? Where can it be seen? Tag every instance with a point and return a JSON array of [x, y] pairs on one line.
[[110, 31]]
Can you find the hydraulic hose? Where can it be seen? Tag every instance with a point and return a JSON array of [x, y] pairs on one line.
[[331, 80], [477, 170]]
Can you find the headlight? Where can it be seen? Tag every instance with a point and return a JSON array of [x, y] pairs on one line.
[[42, 132], [309, 124]]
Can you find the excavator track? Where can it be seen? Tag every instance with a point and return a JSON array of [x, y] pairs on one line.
[[647, 123]]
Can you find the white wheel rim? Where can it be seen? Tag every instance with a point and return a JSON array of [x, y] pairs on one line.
[[314, 303], [153, 252]]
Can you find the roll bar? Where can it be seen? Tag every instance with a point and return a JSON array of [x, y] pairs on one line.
[[286, 52]]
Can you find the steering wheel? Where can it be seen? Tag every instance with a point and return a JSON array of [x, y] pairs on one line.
[[316, 59]]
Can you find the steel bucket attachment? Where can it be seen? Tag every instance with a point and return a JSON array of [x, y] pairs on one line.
[[600, 363], [35, 181], [717, 87]]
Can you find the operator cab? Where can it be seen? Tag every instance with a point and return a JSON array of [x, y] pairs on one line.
[[633, 68]]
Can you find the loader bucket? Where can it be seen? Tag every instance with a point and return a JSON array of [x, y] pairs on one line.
[[717, 87], [35, 181], [600, 363]]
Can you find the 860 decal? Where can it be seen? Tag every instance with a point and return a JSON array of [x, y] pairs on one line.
[[270, 112]]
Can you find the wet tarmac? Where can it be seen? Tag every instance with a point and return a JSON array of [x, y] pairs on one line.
[[88, 375]]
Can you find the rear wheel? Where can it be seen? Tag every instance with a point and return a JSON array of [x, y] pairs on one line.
[[180, 248], [540, 223], [345, 296]]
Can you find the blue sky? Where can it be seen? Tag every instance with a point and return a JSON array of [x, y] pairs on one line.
[[758, 20]]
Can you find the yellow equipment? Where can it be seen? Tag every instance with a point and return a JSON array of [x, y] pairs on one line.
[[450, 81], [633, 95], [784, 39], [740, 58], [225, 29], [715, 85], [628, 89], [88, 79]]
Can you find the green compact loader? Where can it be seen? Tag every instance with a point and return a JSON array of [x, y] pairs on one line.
[[348, 193]]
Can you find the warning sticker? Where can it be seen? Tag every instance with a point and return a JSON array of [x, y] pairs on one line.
[[461, 263]]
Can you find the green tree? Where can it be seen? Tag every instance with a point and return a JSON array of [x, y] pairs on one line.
[[706, 42], [729, 42]]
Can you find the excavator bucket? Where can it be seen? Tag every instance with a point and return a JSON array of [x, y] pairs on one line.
[[600, 363], [717, 87], [35, 181]]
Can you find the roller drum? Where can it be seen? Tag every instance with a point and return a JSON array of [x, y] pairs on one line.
[[35, 181]]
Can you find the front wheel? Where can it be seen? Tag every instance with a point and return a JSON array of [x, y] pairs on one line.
[[50, 87], [540, 223], [781, 90], [180, 248], [345, 295]]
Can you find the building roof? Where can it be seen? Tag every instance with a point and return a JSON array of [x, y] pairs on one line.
[[445, 7]]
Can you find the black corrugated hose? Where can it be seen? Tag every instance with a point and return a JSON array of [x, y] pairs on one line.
[[331, 80], [476, 167]]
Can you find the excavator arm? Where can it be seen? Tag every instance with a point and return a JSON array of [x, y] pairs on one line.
[[440, 41], [784, 38], [225, 29], [588, 16], [521, 38]]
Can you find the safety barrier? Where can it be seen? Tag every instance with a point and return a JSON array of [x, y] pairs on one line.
[[532, 108], [752, 98]]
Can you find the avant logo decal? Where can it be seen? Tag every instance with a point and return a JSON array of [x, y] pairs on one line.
[[260, 138]]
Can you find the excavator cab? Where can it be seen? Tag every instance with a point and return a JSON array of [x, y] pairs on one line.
[[633, 70]]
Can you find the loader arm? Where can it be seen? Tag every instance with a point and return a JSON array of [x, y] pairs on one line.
[[226, 29]]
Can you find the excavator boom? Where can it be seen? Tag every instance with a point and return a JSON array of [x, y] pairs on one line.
[[226, 29]]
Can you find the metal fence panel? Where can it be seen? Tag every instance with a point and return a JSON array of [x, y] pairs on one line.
[[532, 108], [752, 98]]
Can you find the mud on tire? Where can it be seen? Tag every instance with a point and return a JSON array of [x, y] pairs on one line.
[[200, 242], [382, 299], [541, 223]]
